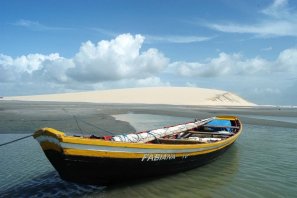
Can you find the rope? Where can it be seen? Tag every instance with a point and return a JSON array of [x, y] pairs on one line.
[[96, 126], [150, 132], [76, 120], [81, 131], [3, 144]]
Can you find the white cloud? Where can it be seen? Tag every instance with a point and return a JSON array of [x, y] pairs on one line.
[[260, 80], [278, 20], [151, 82], [177, 39], [277, 9], [267, 90], [27, 23], [119, 59], [21, 67], [223, 65], [180, 39], [54, 71], [265, 28], [120, 62], [287, 61], [236, 64], [130, 83], [116, 59], [184, 39], [37, 26]]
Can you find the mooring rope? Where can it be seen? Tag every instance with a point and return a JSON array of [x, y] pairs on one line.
[[78, 125], [73, 117], [90, 124], [12, 141]]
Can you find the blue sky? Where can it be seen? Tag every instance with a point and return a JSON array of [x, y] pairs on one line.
[[246, 47]]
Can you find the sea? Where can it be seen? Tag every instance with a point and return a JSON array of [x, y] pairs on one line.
[[262, 163]]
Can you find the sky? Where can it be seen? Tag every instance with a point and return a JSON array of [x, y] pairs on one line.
[[55, 46]]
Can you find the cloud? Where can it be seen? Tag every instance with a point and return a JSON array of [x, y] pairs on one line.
[[265, 91], [277, 20], [36, 26], [104, 31], [265, 28], [223, 65], [153, 81], [260, 80], [177, 39], [277, 9], [161, 39], [116, 59], [120, 59], [287, 61], [236, 64], [121, 62], [27, 23], [23, 66]]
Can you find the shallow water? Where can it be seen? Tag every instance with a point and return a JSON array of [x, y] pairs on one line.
[[262, 163], [289, 119], [26, 172]]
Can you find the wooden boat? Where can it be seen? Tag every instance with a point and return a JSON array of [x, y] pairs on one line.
[[111, 159]]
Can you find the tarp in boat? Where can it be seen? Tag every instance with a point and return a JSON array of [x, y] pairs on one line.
[[222, 123]]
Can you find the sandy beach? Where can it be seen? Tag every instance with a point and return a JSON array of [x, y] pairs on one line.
[[150, 95]]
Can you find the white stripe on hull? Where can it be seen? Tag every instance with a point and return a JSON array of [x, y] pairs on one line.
[[50, 139], [122, 149], [134, 150]]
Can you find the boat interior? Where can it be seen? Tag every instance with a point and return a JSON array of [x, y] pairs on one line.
[[200, 135], [212, 132], [196, 136]]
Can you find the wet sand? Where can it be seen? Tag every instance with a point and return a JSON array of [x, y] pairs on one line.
[[91, 118]]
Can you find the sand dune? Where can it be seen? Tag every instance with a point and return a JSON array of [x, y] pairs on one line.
[[152, 95]]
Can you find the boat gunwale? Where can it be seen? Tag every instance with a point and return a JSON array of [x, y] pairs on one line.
[[62, 138], [98, 142]]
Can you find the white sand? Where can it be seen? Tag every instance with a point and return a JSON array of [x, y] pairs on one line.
[[153, 95]]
